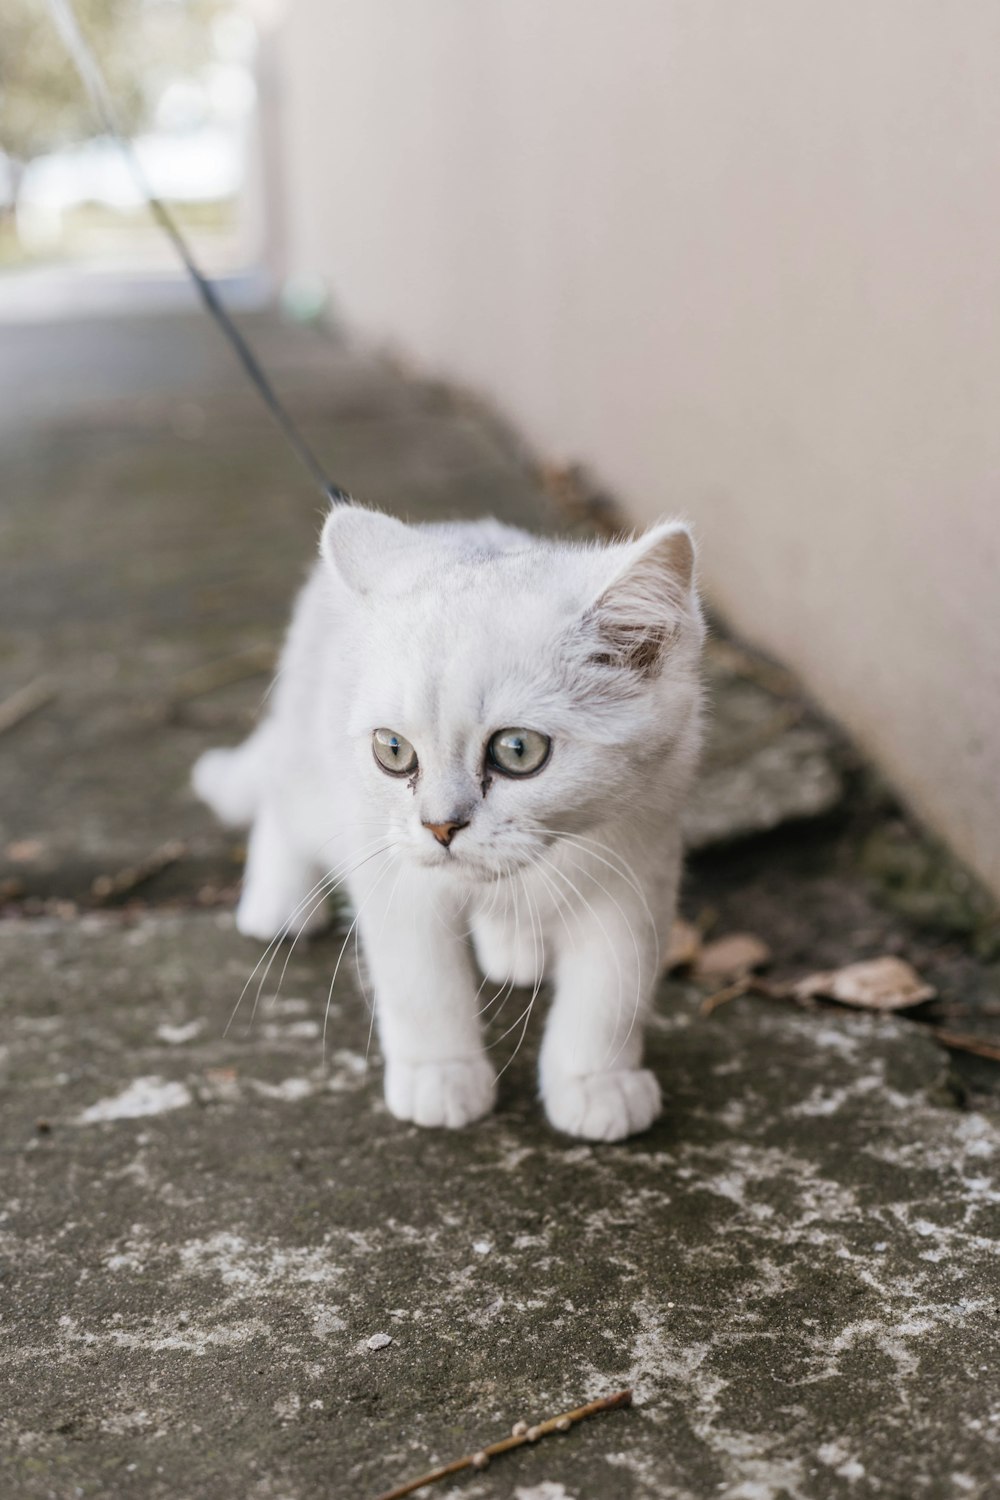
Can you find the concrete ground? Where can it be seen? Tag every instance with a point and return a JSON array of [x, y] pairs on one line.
[[796, 1270]]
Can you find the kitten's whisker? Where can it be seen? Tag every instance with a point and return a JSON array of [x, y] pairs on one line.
[[270, 951], [498, 880], [506, 990], [343, 947], [303, 921], [539, 972], [622, 868], [273, 944], [582, 898], [323, 896], [558, 898], [485, 981], [381, 929]]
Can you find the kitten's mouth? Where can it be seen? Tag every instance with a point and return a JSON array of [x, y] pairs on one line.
[[469, 866]]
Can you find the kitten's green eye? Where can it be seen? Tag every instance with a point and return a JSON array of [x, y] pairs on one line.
[[393, 753], [518, 752]]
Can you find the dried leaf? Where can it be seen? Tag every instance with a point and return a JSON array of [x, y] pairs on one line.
[[874, 984], [684, 946], [730, 957]]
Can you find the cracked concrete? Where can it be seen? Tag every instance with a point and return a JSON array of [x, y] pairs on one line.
[[224, 1269]]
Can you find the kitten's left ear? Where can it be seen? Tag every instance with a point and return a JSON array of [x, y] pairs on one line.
[[650, 594]]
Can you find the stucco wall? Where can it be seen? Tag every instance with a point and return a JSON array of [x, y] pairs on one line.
[[741, 258]]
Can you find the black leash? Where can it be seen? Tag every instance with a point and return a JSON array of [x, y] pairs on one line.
[[96, 85]]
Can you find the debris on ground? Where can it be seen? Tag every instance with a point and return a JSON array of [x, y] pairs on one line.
[[521, 1434], [886, 983], [106, 888], [729, 957], [25, 701]]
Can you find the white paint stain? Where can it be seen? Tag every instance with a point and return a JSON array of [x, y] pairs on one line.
[[253, 1268], [549, 1489], [178, 1035], [290, 1090], [145, 1096], [157, 1340]]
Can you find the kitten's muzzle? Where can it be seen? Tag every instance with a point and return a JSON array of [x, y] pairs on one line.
[[444, 832]]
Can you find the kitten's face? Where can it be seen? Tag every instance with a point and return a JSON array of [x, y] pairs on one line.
[[514, 694]]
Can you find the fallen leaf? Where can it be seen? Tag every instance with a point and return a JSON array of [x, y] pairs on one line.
[[730, 957], [874, 984], [684, 946]]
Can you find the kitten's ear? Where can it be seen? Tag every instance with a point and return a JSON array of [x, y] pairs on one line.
[[358, 545], [650, 592]]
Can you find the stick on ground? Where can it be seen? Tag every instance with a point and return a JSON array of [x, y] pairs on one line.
[[27, 700], [106, 888], [961, 1041], [213, 675], [520, 1435]]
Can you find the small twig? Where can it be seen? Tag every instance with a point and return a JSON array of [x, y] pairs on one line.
[[733, 991], [963, 1041], [520, 1434], [211, 676], [748, 984], [27, 700], [107, 888]]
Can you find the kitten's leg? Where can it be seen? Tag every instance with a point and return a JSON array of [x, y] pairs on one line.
[[436, 1070], [276, 880], [507, 943], [592, 1084]]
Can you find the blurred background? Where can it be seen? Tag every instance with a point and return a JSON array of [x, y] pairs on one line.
[[74, 226]]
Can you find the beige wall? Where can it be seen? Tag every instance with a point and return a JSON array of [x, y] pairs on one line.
[[743, 258]]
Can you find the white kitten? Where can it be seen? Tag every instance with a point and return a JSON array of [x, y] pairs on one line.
[[484, 734]]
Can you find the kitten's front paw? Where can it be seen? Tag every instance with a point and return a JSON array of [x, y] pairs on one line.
[[441, 1093], [603, 1106]]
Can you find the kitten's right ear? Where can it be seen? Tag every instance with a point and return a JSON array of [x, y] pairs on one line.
[[357, 544]]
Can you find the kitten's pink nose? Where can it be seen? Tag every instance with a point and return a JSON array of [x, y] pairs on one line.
[[444, 832]]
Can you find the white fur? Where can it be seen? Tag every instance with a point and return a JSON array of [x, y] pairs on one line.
[[445, 634]]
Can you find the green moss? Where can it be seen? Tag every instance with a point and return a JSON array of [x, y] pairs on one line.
[[919, 878]]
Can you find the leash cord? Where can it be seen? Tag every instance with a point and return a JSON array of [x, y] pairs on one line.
[[95, 83]]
